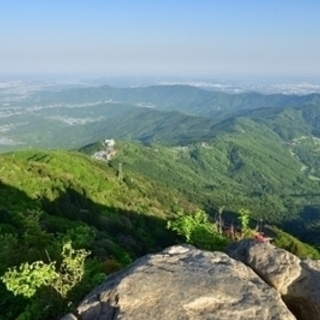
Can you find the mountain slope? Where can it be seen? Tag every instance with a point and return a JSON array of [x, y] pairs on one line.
[[36, 172], [246, 166], [50, 197]]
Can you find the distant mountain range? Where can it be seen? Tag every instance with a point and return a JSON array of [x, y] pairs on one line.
[[174, 114], [181, 98]]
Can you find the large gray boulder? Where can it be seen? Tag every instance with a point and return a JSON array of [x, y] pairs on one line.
[[181, 283], [298, 281]]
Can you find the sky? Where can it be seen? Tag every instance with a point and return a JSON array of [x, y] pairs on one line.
[[161, 37]]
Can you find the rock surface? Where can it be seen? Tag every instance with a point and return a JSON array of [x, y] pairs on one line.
[[183, 283], [298, 281]]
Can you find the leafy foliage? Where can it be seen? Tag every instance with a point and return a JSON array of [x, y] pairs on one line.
[[244, 217], [71, 270], [28, 278], [198, 230], [66, 196]]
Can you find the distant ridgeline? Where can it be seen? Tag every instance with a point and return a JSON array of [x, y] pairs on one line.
[[171, 115]]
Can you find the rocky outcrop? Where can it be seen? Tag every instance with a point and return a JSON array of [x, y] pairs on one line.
[[183, 282], [298, 281]]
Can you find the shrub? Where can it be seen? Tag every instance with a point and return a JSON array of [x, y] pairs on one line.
[[28, 278], [198, 230], [244, 218]]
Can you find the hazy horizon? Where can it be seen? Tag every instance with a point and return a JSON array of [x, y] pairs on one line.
[[181, 38]]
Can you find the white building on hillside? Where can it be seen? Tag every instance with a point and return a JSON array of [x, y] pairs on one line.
[[109, 142]]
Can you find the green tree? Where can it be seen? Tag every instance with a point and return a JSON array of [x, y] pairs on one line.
[[244, 218]]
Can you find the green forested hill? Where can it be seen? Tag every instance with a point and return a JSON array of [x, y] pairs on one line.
[[46, 176], [47, 198], [50, 197], [246, 165], [70, 189], [170, 128], [143, 124]]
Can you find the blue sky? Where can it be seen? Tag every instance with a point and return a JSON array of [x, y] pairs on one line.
[[161, 37]]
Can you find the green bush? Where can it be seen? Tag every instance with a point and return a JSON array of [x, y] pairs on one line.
[[28, 278], [198, 230]]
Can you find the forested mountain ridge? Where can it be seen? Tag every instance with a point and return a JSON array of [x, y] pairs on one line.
[[170, 128], [182, 98], [171, 115]]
